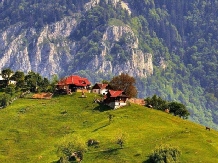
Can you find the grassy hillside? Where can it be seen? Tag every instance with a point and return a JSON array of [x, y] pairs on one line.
[[32, 129]]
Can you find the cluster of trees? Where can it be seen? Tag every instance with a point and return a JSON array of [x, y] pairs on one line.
[[164, 154], [32, 82], [176, 108]]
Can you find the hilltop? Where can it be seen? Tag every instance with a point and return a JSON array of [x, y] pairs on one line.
[[32, 129], [170, 47]]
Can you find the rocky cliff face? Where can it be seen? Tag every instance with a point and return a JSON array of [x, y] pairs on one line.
[[49, 50], [139, 64], [45, 51]]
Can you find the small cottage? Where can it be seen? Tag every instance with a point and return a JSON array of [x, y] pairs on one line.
[[100, 88], [4, 82], [73, 83], [115, 99]]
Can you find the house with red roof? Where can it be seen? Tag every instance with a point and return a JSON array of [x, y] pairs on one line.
[[115, 99], [73, 83], [100, 88]]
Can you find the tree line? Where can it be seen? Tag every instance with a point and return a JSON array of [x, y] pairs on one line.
[[173, 107], [31, 81]]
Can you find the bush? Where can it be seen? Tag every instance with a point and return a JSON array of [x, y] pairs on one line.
[[10, 89], [71, 148], [93, 142], [4, 100], [121, 138], [165, 154]]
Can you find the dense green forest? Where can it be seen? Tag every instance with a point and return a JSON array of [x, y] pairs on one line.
[[188, 30], [180, 32]]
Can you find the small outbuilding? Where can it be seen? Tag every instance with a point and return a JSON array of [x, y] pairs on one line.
[[100, 88]]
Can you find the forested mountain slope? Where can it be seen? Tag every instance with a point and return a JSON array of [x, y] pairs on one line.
[[170, 47]]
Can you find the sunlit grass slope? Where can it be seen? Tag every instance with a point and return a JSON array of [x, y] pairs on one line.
[[31, 129]]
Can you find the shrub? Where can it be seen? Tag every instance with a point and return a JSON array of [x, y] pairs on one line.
[[165, 154], [121, 138], [70, 148], [4, 100], [10, 89], [93, 142]]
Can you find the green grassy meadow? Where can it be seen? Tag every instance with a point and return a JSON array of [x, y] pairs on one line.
[[31, 129]]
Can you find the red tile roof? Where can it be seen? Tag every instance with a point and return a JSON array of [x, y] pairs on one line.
[[115, 93], [76, 80]]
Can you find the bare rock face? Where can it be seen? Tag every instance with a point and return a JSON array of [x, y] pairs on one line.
[[50, 50], [46, 51], [138, 64]]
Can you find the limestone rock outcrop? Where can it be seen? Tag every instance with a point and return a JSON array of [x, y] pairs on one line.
[[51, 50]]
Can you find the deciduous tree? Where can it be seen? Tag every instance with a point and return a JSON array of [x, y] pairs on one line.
[[33, 80], [19, 77], [178, 109], [156, 102], [10, 89], [6, 74], [125, 83]]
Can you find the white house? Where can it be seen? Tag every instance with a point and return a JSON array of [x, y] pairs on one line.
[[2, 80], [100, 88]]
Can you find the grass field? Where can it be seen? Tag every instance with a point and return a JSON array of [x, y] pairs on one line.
[[31, 130]]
